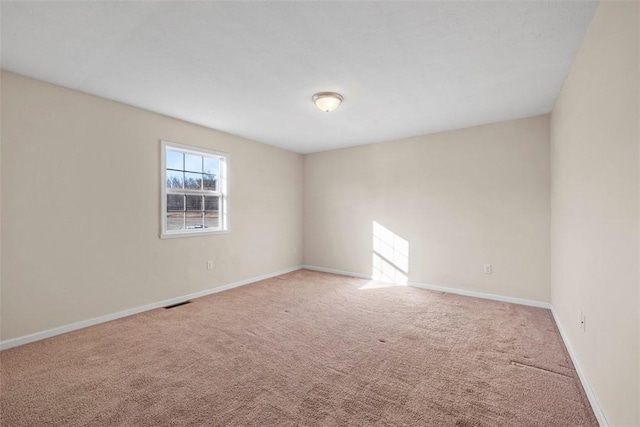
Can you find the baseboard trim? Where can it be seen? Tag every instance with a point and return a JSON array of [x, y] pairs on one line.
[[339, 272], [14, 342], [447, 289], [483, 295], [597, 410]]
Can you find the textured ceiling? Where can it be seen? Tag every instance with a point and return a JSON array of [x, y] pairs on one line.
[[250, 69]]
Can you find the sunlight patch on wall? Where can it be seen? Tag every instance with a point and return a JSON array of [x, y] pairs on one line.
[[390, 256]]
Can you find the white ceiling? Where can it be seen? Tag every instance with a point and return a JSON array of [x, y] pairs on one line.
[[250, 68]]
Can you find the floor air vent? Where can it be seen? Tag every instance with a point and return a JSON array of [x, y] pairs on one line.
[[177, 305]]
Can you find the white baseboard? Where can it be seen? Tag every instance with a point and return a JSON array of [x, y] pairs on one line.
[[340, 272], [597, 410], [447, 289], [483, 295], [14, 342]]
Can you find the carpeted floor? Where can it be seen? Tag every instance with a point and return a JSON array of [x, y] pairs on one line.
[[303, 349]]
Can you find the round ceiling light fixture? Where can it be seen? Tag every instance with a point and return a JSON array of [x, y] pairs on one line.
[[327, 101]]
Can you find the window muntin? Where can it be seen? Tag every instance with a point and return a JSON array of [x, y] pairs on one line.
[[194, 190]]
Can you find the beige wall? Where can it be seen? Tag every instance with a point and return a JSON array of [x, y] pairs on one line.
[[80, 211], [594, 205], [461, 199], [0, 207]]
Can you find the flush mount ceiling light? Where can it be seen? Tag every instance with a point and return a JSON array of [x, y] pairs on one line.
[[327, 101]]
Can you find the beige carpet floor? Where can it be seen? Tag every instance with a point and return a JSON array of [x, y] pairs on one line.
[[303, 349]]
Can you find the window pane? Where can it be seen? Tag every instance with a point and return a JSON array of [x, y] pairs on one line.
[[174, 160], [210, 182], [174, 179], [194, 203], [211, 203], [212, 165], [175, 220], [193, 181], [175, 202], [194, 191], [211, 220], [194, 220], [192, 163]]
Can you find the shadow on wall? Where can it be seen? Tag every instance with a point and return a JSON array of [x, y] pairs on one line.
[[390, 263]]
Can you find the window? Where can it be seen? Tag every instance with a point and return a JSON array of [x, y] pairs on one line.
[[194, 189]]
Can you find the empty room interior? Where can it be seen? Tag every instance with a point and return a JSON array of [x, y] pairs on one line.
[[320, 213]]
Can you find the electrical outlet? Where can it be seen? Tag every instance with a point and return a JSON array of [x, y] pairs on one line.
[[487, 269], [209, 265], [583, 321]]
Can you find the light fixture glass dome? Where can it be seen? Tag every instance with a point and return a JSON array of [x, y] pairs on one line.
[[327, 101]]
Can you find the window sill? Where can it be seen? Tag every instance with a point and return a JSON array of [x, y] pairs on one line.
[[180, 234]]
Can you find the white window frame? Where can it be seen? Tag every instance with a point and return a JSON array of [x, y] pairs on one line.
[[222, 192]]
